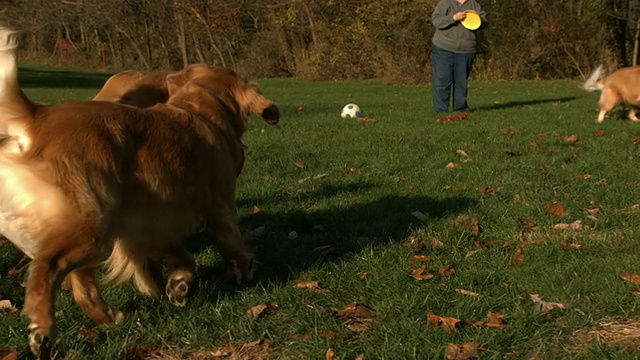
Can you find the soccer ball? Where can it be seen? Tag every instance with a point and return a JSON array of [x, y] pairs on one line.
[[351, 111]]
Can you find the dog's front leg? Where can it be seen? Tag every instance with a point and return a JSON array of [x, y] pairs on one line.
[[234, 252]]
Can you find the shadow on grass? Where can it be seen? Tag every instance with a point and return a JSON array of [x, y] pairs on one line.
[[512, 104], [30, 77], [327, 235]]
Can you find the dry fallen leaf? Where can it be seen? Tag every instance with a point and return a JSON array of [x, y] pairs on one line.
[[447, 270], [526, 223], [576, 225], [545, 305], [447, 323], [422, 258], [570, 244], [555, 209], [300, 164], [418, 272], [364, 276], [473, 226], [495, 320], [518, 256], [355, 310], [632, 278], [309, 285], [331, 355], [463, 351], [571, 139], [451, 165], [255, 312], [466, 292]]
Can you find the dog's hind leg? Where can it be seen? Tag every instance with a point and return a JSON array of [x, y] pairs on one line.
[[46, 272], [181, 266], [608, 100], [87, 296]]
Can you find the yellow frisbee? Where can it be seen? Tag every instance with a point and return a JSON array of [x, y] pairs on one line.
[[472, 21]]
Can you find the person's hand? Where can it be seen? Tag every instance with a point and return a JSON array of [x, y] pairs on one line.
[[459, 16]]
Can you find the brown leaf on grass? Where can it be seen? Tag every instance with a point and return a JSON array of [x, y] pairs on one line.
[[447, 323], [354, 310], [364, 276], [495, 320], [366, 120], [329, 334], [300, 164], [255, 312], [461, 153], [634, 292], [462, 351], [526, 223], [418, 272], [467, 292], [422, 258], [571, 139], [488, 190], [9, 353], [312, 286], [473, 225], [5, 305], [555, 209], [447, 270], [570, 244], [451, 165], [632, 278], [576, 225], [545, 305], [518, 256], [88, 334], [331, 355]]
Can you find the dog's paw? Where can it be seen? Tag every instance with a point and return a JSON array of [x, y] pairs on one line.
[[41, 345], [116, 315], [177, 291]]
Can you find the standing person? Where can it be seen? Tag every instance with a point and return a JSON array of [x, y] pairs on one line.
[[453, 51]]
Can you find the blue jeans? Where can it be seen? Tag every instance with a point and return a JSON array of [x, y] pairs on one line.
[[450, 70]]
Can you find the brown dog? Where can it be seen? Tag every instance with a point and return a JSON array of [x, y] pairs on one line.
[[82, 182], [619, 87]]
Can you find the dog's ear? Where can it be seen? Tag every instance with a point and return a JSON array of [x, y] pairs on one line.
[[258, 104], [175, 82]]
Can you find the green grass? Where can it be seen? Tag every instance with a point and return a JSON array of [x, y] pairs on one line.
[[377, 174]]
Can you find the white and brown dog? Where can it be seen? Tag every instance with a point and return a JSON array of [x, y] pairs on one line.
[[86, 182], [619, 87]]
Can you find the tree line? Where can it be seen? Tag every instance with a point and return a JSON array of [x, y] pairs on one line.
[[321, 39]]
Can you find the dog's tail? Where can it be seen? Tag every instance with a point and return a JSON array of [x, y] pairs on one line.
[[593, 83], [16, 111], [124, 264]]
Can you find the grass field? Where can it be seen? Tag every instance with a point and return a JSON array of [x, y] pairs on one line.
[[507, 234]]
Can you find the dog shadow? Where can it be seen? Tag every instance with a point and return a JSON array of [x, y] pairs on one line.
[[291, 241], [513, 104]]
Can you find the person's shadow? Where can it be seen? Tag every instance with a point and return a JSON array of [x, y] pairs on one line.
[[513, 104]]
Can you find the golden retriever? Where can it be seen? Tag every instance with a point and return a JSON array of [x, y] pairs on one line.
[[86, 182], [619, 87]]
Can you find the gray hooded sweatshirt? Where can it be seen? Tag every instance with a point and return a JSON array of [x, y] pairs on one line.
[[451, 35]]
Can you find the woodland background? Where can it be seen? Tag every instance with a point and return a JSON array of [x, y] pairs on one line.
[[321, 39]]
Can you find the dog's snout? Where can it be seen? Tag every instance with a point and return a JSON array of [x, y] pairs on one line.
[[271, 114]]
